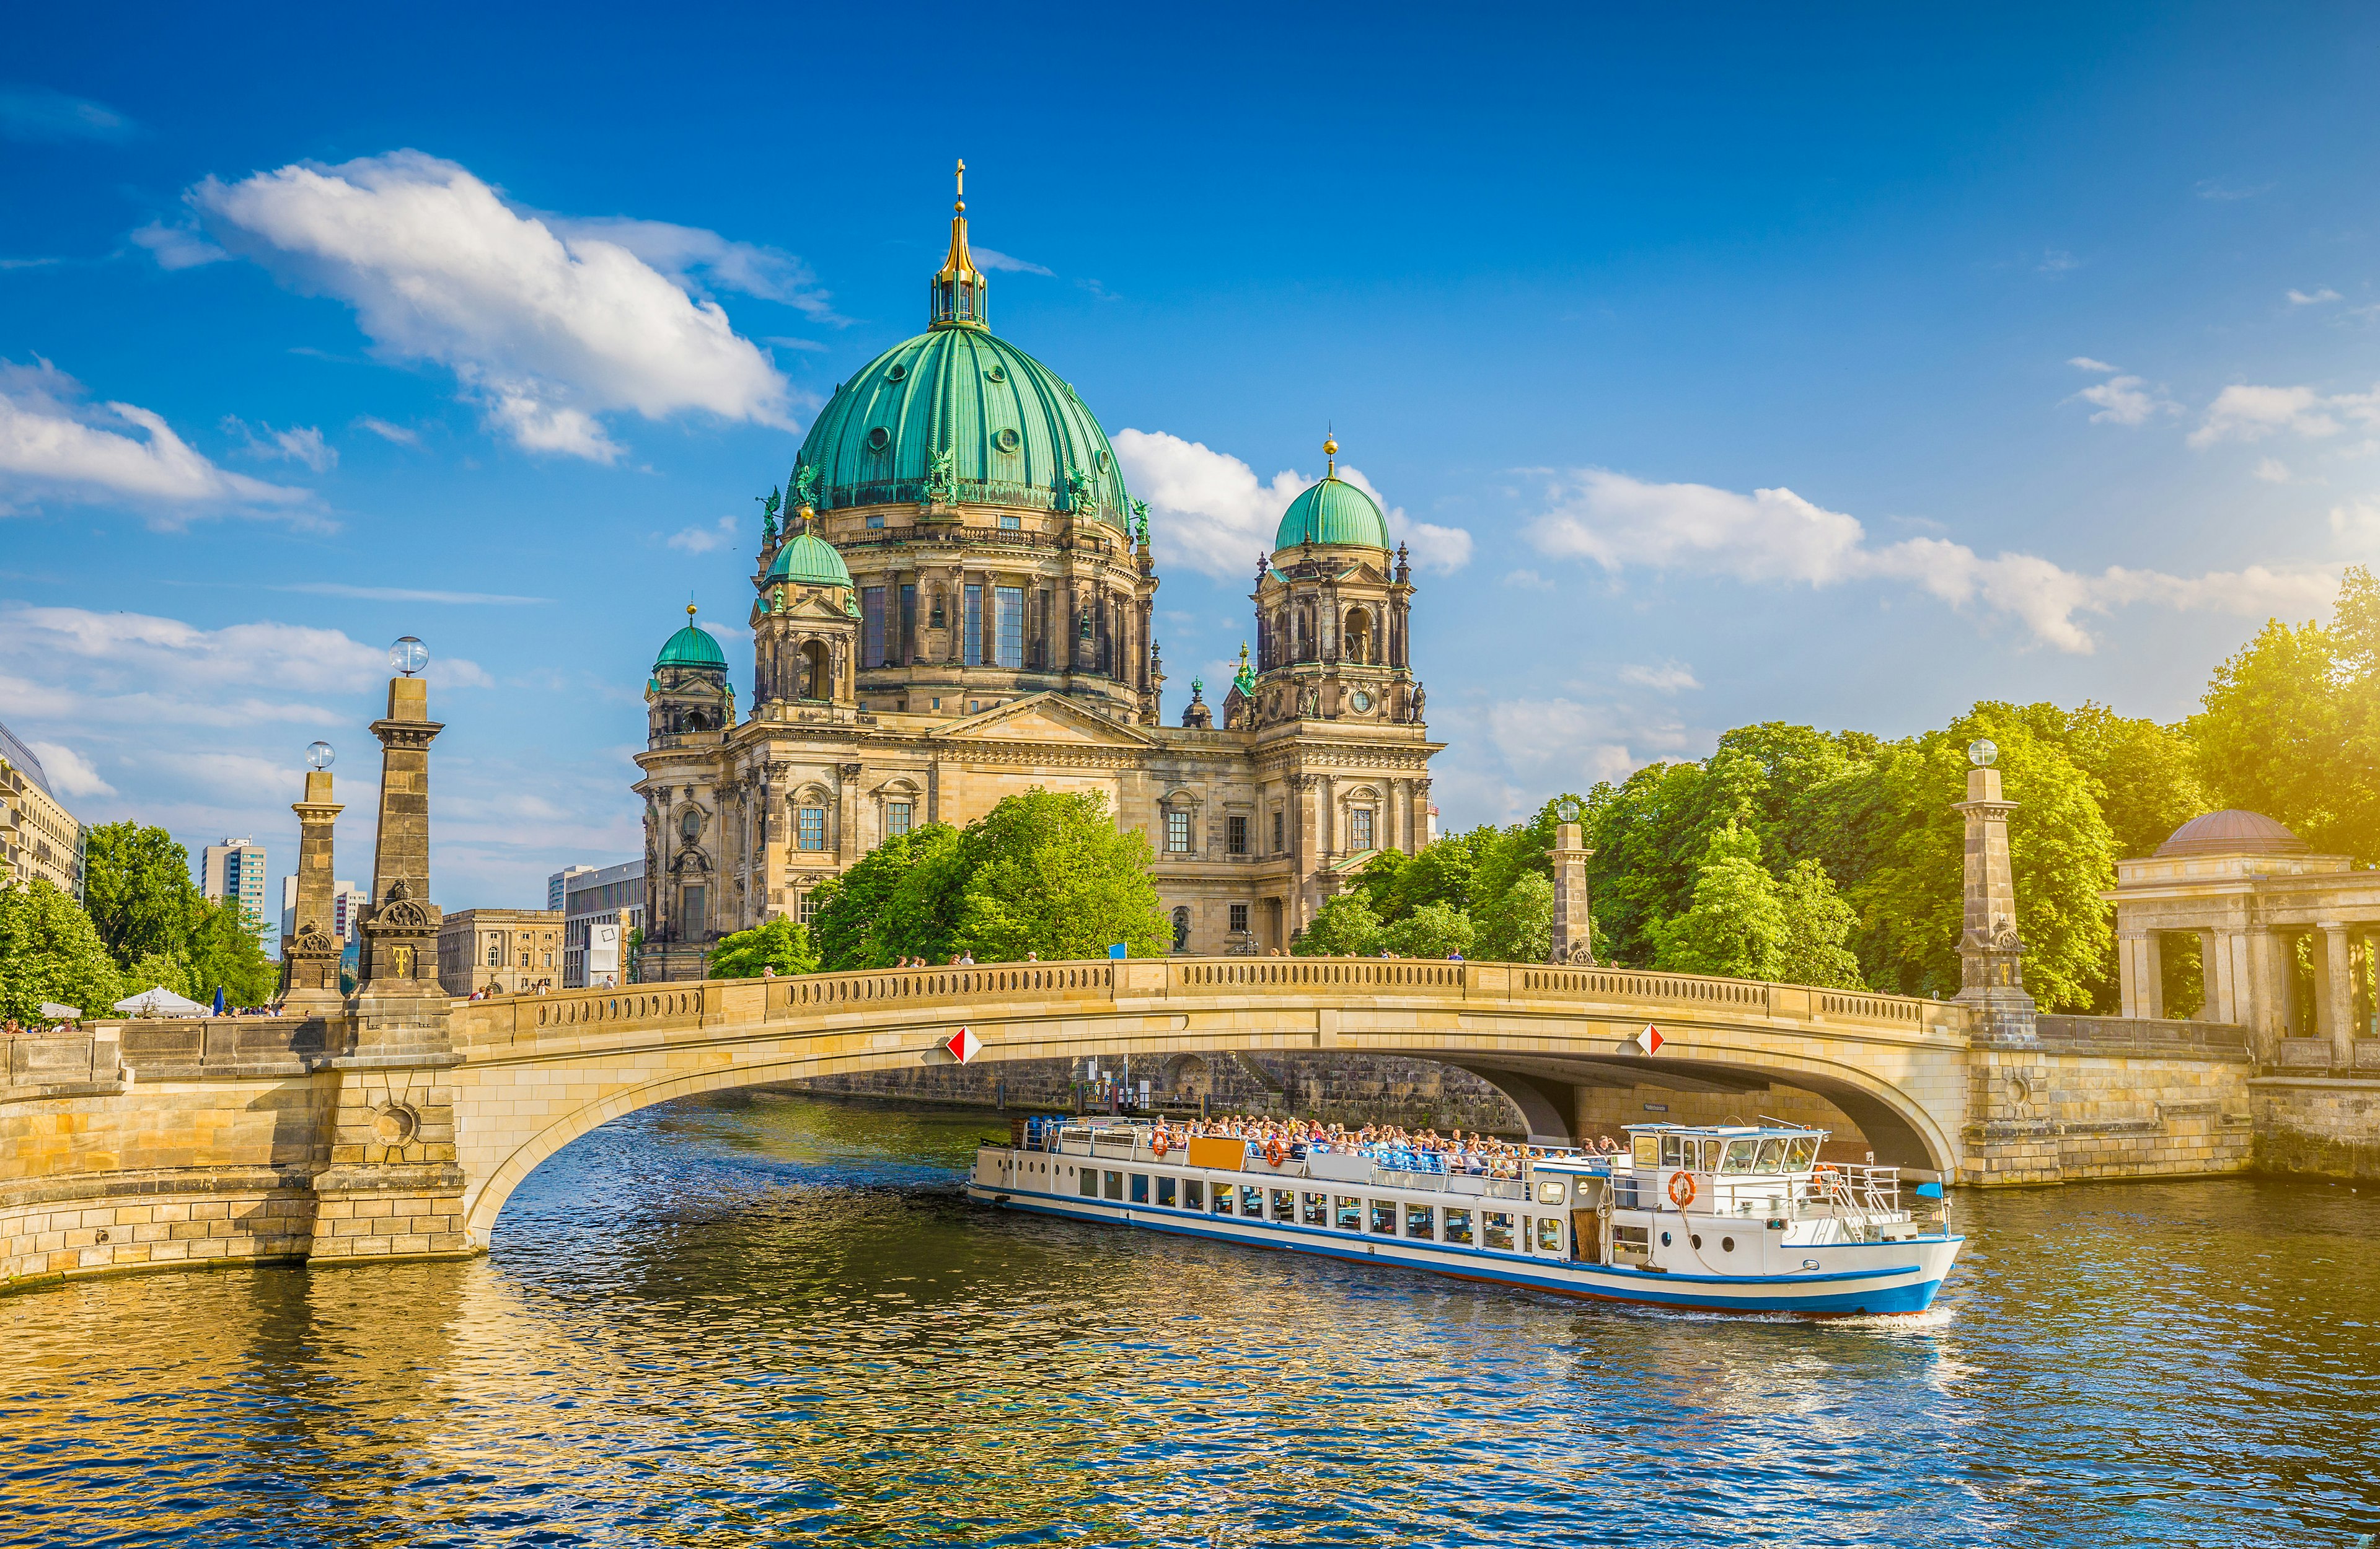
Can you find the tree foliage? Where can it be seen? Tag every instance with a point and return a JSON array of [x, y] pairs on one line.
[[158, 927], [50, 951], [781, 943]]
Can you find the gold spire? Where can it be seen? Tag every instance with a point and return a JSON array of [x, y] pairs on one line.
[[959, 286], [1329, 457]]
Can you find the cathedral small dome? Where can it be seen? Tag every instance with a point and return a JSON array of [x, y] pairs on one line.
[[1332, 512], [692, 648], [808, 560], [2233, 831]]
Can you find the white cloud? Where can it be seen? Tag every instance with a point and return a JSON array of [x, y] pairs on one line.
[[2125, 400], [69, 771], [303, 444], [2313, 298], [1209, 510], [386, 431], [2057, 260], [986, 258], [1526, 579], [545, 330], [2246, 412], [178, 247], [2223, 192], [684, 252], [1665, 677], [2086, 363], [2359, 524], [52, 442], [2272, 470], [1775, 535], [1507, 755], [702, 540], [37, 114]]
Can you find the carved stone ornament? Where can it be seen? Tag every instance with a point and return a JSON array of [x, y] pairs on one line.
[[312, 939]]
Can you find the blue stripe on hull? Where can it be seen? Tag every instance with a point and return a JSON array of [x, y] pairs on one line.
[[1910, 1297]]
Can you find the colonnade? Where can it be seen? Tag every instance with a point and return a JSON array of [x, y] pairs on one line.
[[2253, 978]]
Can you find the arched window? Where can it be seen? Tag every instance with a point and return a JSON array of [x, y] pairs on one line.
[[817, 673], [1182, 930], [1356, 637]]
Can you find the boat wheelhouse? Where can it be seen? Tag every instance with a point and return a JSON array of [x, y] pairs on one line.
[[1740, 1218]]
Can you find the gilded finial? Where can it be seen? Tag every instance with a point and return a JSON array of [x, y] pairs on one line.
[[689, 612], [806, 515], [961, 206], [1330, 455], [957, 290]]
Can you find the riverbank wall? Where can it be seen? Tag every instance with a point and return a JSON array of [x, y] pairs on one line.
[[2318, 1126]]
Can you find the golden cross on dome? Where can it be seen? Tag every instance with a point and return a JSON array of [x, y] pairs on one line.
[[962, 176]]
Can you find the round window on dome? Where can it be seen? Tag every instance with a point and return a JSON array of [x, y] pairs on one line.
[[1007, 440], [1099, 459], [996, 372], [896, 372], [878, 439]]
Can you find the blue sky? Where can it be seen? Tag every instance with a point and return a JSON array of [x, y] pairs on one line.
[[1838, 366]]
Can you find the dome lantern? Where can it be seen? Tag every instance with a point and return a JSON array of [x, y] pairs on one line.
[[1332, 512], [957, 298]]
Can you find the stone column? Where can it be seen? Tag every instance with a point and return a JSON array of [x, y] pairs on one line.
[[399, 1007], [309, 953], [2129, 957], [1572, 942], [2214, 986], [1991, 955], [2334, 987]]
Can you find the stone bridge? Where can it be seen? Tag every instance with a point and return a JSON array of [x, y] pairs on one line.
[[154, 1143]]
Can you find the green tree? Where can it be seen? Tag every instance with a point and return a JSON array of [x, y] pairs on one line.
[[1345, 926], [222, 947], [1433, 930], [1050, 872], [1736, 925], [136, 889], [2290, 725], [50, 951], [781, 943], [1519, 926], [857, 926], [1818, 926]]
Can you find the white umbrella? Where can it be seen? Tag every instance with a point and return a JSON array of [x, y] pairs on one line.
[[160, 1002], [56, 1012]]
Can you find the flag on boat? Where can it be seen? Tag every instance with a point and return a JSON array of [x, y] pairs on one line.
[[1650, 1040], [963, 1046]]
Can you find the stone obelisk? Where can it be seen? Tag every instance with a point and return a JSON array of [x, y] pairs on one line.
[[1572, 930], [400, 1009], [1991, 955], [309, 953]]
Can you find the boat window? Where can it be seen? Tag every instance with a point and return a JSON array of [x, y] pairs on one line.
[[1549, 1229], [1140, 1188], [1740, 1154], [1252, 1202], [1496, 1228], [1712, 1151], [1347, 1213], [1801, 1154], [1090, 1183], [1315, 1209], [1165, 1191], [1421, 1220], [1384, 1217], [1772, 1153], [1649, 1150], [1674, 1152], [1550, 1191], [1458, 1225], [1285, 1205], [1115, 1185], [1223, 1199], [1194, 1194]]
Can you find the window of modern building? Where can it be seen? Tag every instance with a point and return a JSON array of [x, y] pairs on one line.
[[1239, 919], [896, 819], [1177, 832], [809, 828], [872, 628], [1359, 828], [1008, 625], [1235, 834]]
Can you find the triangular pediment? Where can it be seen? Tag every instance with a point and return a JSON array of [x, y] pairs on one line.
[[1045, 717]]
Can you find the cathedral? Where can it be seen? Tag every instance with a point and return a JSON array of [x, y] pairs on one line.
[[957, 608]]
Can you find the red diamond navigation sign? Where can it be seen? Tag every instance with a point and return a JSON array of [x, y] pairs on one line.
[[1650, 1039], [963, 1045]]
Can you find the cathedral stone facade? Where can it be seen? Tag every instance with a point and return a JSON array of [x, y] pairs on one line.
[[957, 608]]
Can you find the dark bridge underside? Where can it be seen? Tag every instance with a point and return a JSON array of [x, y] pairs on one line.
[[1545, 1089]]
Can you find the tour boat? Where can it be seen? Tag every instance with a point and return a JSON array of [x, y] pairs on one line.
[[1729, 1218]]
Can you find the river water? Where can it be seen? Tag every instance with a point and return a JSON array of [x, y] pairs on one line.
[[767, 1320]]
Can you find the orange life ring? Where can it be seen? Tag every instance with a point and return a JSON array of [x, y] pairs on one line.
[[1275, 1152], [1682, 1189], [1160, 1146]]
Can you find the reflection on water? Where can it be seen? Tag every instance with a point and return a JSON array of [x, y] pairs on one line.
[[776, 1321]]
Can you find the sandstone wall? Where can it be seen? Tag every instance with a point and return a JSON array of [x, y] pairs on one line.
[[2326, 1126], [2109, 1098]]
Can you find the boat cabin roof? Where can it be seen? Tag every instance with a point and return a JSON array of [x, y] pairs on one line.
[[1723, 1132]]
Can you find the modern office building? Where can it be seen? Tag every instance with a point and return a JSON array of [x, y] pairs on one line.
[[345, 899], [557, 887], [235, 869], [38, 837], [598, 911], [511, 951]]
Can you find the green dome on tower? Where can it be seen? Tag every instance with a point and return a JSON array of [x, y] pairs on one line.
[[1332, 512], [962, 417], [808, 560], [692, 648]]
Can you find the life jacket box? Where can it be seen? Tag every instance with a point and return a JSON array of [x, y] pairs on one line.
[[1222, 1153]]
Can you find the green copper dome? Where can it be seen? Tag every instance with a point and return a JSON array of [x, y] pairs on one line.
[[692, 647], [961, 415], [808, 560], [1332, 512]]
